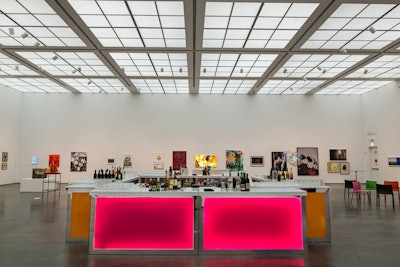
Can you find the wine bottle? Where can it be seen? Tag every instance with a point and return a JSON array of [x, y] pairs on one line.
[[95, 175], [242, 182], [175, 182], [247, 180], [158, 184]]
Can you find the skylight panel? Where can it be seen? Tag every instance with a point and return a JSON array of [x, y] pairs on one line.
[[267, 23], [143, 7], [51, 20], [25, 20], [175, 34], [274, 9], [216, 22], [218, 8], [129, 33], [245, 9], [121, 21], [85, 7], [37, 6], [292, 23], [104, 32], [147, 21], [95, 20], [172, 21], [11, 6], [348, 10], [375, 10], [113, 7], [170, 8], [301, 10]]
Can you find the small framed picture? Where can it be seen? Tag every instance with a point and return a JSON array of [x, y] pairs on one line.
[[158, 166], [4, 157], [110, 161], [344, 168], [257, 161], [4, 166]]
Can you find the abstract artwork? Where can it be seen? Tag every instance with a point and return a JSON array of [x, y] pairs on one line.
[[278, 161], [178, 160], [4, 157], [158, 157], [234, 160], [54, 162], [344, 168], [78, 161], [337, 154], [307, 161], [394, 161], [203, 161], [4, 166], [128, 161], [333, 167], [257, 161]]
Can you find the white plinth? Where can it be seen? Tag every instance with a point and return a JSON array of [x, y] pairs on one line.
[[33, 185]]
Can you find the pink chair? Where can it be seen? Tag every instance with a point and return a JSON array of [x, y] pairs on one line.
[[357, 190]]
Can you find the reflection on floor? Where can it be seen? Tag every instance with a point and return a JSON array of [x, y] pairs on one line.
[[32, 233]]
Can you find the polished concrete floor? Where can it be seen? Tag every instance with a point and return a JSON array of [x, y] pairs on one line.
[[32, 233]]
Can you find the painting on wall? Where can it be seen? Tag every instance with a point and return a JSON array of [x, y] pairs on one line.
[[78, 162], [307, 161], [344, 168], [39, 173], [203, 161], [4, 166], [291, 158], [257, 161], [128, 162], [54, 162], [234, 160], [4, 157], [337, 154], [178, 160], [158, 157], [278, 161], [34, 160], [110, 161], [394, 161], [333, 167]]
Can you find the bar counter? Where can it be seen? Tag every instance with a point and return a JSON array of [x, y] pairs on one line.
[[127, 219]]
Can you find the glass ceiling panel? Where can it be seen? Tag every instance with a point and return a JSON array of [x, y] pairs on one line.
[[96, 85], [351, 23], [352, 87], [33, 85], [161, 86], [59, 63], [134, 23], [384, 67], [34, 23], [152, 64], [226, 87], [298, 87], [9, 66], [235, 65], [223, 17], [317, 66]]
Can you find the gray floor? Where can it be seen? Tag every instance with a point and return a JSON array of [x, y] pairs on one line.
[[32, 233]]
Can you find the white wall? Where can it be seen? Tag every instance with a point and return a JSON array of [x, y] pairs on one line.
[[112, 125], [10, 105], [381, 111]]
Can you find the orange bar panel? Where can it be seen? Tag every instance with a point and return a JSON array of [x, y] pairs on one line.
[[315, 214], [80, 215]]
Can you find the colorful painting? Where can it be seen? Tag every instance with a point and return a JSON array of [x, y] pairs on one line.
[[178, 160], [203, 161], [4, 157], [234, 160], [278, 161], [78, 161], [344, 168], [337, 154], [394, 161], [307, 161], [291, 158], [333, 167], [54, 159]]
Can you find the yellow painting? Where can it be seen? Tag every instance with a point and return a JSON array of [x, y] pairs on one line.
[[206, 161], [333, 167]]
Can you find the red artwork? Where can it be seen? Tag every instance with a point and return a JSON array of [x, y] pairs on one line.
[[178, 160], [54, 162]]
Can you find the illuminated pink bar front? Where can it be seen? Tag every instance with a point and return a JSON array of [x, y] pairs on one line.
[[144, 223], [259, 223]]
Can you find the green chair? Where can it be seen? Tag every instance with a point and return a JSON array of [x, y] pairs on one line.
[[370, 185]]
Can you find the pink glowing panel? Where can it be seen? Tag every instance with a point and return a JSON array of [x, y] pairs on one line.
[[253, 224], [144, 223]]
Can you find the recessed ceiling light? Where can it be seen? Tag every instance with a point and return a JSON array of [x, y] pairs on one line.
[[55, 57], [11, 31], [24, 35], [372, 29]]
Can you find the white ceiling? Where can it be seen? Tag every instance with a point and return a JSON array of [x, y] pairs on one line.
[[199, 46]]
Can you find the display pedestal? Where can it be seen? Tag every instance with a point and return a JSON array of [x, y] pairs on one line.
[[29, 185]]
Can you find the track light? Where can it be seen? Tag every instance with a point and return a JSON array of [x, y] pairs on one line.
[[319, 68], [285, 71], [122, 89], [365, 71], [73, 71], [36, 44], [55, 57], [180, 70], [162, 69], [89, 82], [79, 69], [16, 68], [343, 50], [204, 70], [304, 79], [372, 29], [241, 70], [24, 35], [324, 71], [11, 31]]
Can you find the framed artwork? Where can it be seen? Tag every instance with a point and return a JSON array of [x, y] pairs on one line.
[[158, 166], [128, 161], [394, 161], [307, 161], [34, 160], [344, 168], [78, 162], [257, 161], [54, 160], [333, 167], [39, 173], [110, 161], [178, 160], [234, 160], [203, 161], [291, 158], [4, 166], [337, 154], [4, 157], [278, 161], [158, 157]]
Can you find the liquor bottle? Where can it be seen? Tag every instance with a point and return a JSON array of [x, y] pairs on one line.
[[158, 184], [166, 182], [242, 182], [154, 185], [170, 180], [247, 180], [95, 175], [291, 174], [102, 174], [287, 175], [175, 182]]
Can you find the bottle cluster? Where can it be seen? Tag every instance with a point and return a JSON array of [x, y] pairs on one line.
[[114, 173]]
